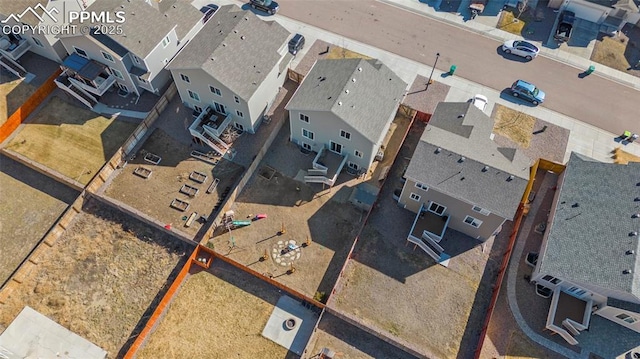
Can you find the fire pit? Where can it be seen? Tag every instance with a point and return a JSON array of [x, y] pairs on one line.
[[290, 323]]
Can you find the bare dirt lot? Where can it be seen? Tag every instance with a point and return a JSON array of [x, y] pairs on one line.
[[71, 140], [29, 204], [13, 93], [101, 277], [350, 342], [217, 314], [154, 195], [403, 293]]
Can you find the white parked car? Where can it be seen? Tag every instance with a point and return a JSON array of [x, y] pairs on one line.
[[521, 48], [480, 102]]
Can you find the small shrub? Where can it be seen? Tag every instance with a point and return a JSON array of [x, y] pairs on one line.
[[320, 297]]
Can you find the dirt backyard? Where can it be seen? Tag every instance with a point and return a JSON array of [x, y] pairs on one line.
[[154, 195], [71, 140], [217, 314], [30, 203], [101, 277]]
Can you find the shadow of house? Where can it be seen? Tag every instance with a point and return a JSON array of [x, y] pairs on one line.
[[583, 33], [632, 50]]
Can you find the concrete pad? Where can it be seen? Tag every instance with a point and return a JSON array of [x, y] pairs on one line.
[[33, 335], [293, 339]]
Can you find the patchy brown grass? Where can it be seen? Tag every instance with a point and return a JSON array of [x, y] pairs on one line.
[[509, 23], [71, 140], [621, 157], [12, 95], [341, 53], [610, 52], [514, 125], [520, 347], [213, 318]]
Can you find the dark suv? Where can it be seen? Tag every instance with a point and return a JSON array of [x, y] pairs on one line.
[[268, 6], [296, 43]]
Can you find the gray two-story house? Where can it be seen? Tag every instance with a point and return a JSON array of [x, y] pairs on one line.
[[134, 56], [231, 72], [459, 178], [16, 40], [344, 108], [589, 258]]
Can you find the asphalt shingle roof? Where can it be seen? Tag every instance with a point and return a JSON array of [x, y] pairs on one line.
[[590, 238], [146, 25], [456, 156], [363, 93], [236, 48]]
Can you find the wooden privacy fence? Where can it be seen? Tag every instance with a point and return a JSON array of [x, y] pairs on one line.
[[21, 114], [294, 76], [540, 164]]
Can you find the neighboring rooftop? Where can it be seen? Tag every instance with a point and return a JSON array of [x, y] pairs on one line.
[[363, 93], [33, 335], [146, 25], [236, 48], [629, 5], [17, 7], [457, 156], [596, 216]]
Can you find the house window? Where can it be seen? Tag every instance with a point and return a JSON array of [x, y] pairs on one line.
[[37, 42], [627, 318], [107, 56], [414, 197], [81, 52], [166, 41], [135, 59], [473, 222], [436, 208], [238, 126], [185, 78], [117, 73], [239, 113], [422, 186], [357, 153], [306, 133], [193, 95], [306, 146], [352, 165], [220, 108], [197, 108], [236, 99], [335, 147], [481, 210], [345, 134], [551, 279], [142, 80], [304, 118], [215, 90]]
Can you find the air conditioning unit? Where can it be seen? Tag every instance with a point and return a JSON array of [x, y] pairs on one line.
[[379, 155]]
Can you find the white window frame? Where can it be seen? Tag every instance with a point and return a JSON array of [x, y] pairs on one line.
[[37, 42], [304, 118], [422, 186], [142, 80], [357, 153], [166, 41], [185, 78], [353, 166], [238, 126], [215, 91], [346, 135], [307, 134], [197, 108], [629, 319], [236, 99], [476, 223], [444, 209], [335, 144], [306, 146], [79, 50], [193, 95], [481, 210], [135, 59], [107, 56], [116, 73], [415, 197], [239, 113]]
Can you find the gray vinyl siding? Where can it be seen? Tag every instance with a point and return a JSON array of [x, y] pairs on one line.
[[326, 127], [55, 52], [264, 96], [93, 49], [457, 210], [154, 62], [199, 83]]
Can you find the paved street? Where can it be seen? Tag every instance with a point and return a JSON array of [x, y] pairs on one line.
[[594, 100]]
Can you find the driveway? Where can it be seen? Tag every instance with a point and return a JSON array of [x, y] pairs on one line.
[[594, 100]]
